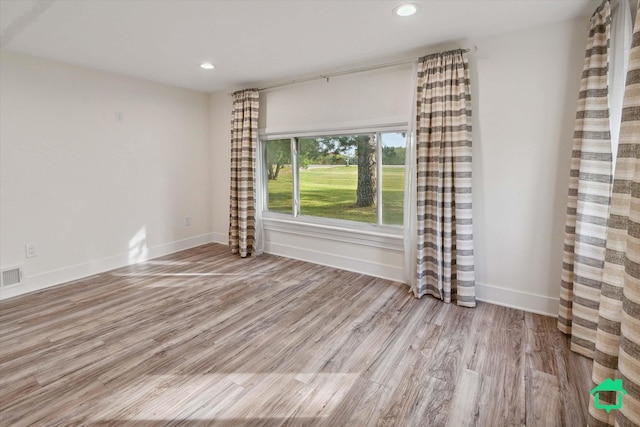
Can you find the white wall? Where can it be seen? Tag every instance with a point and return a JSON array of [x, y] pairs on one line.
[[220, 105], [525, 87], [525, 94], [92, 193]]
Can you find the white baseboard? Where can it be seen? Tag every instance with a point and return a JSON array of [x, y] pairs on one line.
[[383, 271], [526, 301], [66, 274], [222, 238]]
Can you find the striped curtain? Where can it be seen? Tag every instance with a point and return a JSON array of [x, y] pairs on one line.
[[589, 194], [244, 141], [445, 267], [617, 345]]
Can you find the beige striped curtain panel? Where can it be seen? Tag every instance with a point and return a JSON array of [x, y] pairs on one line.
[[617, 344], [244, 141], [589, 194], [600, 291], [445, 266]]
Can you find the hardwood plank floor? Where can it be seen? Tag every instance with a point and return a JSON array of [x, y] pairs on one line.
[[203, 337]]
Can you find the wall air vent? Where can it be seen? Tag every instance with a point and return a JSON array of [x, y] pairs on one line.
[[11, 277]]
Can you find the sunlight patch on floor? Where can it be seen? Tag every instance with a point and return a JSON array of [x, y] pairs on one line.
[[231, 396]]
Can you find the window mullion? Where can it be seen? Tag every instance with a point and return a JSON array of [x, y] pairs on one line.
[[378, 140], [295, 177]]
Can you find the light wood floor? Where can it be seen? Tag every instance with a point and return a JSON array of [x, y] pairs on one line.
[[203, 337]]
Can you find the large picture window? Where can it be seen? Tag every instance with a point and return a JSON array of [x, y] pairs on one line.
[[350, 177]]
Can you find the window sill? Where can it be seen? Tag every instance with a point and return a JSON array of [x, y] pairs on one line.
[[383, 237]]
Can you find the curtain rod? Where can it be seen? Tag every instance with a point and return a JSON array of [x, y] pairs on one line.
[[327, 76]]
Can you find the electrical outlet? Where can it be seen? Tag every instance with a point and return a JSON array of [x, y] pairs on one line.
[[30, 250], [187, 221]]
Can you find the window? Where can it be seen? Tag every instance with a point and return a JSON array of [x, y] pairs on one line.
[[350, 177], [279, 175]]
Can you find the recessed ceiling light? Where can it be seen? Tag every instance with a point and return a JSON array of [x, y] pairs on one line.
[[406, 9], [207, 66]]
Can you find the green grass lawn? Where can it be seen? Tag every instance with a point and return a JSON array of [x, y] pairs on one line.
[[330, 192]]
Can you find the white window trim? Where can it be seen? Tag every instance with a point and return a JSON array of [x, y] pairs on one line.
[[338, 130], [309, 225]]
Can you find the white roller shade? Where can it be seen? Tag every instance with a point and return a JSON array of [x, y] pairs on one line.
[[372, 98]]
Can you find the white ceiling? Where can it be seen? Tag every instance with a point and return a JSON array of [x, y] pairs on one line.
[[253, 41]]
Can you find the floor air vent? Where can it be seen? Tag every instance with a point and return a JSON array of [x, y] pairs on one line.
[[11, 277]]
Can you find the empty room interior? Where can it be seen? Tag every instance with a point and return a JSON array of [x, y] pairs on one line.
[[318, 212]]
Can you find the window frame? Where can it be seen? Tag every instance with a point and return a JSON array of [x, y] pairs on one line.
[[295, 216]]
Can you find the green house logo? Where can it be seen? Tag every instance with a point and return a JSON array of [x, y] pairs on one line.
[[609, 385]]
